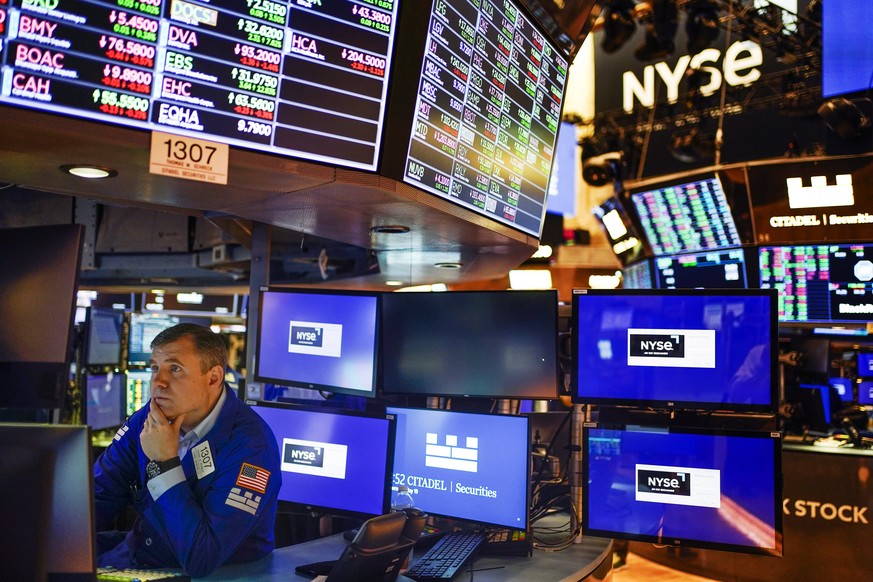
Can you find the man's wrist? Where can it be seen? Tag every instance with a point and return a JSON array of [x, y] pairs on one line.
[[155, 468]]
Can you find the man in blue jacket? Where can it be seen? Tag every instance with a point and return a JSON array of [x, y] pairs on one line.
[[200, 468]]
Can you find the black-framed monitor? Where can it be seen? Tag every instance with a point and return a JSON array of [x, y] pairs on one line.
[[475, 108], [305, 79], [489, 344], [820, 282], [46, 490], [619, 229], [466, 466], [692, 213], [706, 349], [103, 336], [138, 389], [39, 275], [318, 339], [711, 489], [333, 461], [105, 400], [715, 269], [144, 327]]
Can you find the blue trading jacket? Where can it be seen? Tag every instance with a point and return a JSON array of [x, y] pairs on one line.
[[199, 524]]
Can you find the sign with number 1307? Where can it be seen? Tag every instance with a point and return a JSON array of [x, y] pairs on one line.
[[188, 158]]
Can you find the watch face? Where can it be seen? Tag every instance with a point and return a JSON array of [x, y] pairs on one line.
[[153, 469]]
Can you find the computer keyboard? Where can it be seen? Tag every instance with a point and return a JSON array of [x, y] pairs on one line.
[[447, 557], [140, 575]]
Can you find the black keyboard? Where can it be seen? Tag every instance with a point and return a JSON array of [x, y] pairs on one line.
[[447, 557], [140, 575]]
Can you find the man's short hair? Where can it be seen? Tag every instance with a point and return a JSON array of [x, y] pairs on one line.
[[209, 347]]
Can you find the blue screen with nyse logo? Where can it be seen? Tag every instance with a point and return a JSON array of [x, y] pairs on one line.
[[334, 461], [682, 349], [718, 490], [318, 340]]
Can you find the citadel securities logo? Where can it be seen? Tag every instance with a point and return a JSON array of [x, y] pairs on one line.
[[452, 455], [678, 485], [820, 194], [314, 458], [315, 339], [671, 348]]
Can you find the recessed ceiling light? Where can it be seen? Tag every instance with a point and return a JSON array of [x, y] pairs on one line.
[[390, 229], [448, 265], [89, 171], [393, 283]]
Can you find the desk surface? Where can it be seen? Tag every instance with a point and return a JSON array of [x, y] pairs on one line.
[[572, 564]]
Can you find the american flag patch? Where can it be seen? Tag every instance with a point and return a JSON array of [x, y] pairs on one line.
[[254, 478]]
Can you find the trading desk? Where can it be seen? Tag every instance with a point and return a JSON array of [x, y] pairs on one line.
[[589, 560]]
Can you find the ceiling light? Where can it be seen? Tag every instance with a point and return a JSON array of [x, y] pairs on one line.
[[448, 265], [390, 229], [89, 171], [601, 170], [393, 283], [701, 26], [618, 25]]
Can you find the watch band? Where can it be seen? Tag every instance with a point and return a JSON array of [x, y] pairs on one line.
[[155, 468]]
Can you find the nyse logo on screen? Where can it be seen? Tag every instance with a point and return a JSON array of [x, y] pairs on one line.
[[303, 455], [660, 345], [671, 348], [678, 485], [315, 338], [314, 458], [664, 482]]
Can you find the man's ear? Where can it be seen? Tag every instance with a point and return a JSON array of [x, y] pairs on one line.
[[216, 375]]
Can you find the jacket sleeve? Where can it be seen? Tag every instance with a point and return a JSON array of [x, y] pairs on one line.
[[116, 470], [204, 533]]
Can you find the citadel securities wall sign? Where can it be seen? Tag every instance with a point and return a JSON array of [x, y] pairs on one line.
[[813, 201]]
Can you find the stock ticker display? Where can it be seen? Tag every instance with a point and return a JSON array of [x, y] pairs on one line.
[[487, 112], [686, 217], [304, 78], [820, 282]]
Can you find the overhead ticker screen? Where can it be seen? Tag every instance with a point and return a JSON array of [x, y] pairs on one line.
[[686, 217], [820, 282], [302, 78], [487, 112]]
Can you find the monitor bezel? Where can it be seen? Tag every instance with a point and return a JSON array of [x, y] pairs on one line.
[[396, 410], [774, 437], [377, 341], [293, 506], [449, 390], [664, 403]]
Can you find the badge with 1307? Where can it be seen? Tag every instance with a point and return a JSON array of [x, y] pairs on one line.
[[188, 158]]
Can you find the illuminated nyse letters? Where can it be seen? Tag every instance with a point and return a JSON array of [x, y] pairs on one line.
[[738, 68]]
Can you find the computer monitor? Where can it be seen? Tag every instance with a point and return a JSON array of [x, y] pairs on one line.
[[39, 274], [46, 497], [844, 387], [466, 466], [865, 392], [333, 461], [716, 269], [689, 214], [820, 282], [711, 489], [490, 344], [847, 56], [637, 275], [865, 364], [694, 349], [144, 327], [105, 403], [138, 390], [620, 231], [317, 339], [103, 334]]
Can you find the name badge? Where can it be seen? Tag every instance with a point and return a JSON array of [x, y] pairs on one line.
[[203, 463]]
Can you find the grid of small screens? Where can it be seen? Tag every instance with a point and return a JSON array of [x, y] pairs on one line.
[[824, 282], [691, 349], [467, 466], [103, 336], [492, 344], [308, 79], [332, 460], [105, 400], [487, 110], [318, 339], [684, 488], [144, 327]]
